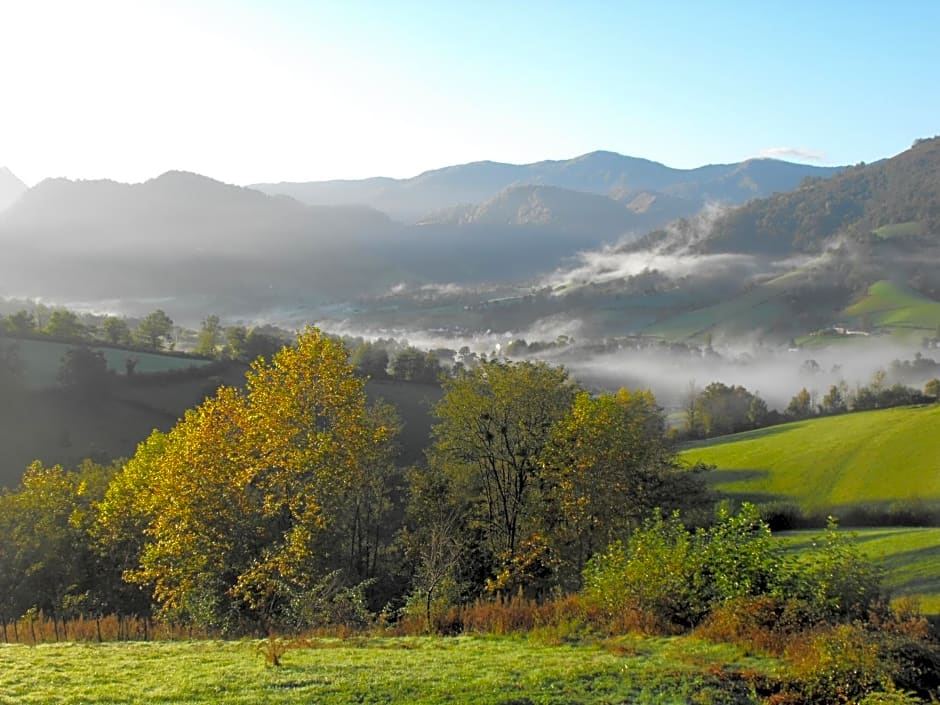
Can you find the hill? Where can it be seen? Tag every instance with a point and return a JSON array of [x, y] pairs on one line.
[[895, 198], [872, 458], [597, 172], [11, 188], [46, 422]]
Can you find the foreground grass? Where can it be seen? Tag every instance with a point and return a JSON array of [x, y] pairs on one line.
[[872, 457], [381, 670], [910, 557]]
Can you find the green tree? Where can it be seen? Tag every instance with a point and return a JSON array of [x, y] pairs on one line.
[[932, 389], [21, 323], [116, 331], [495, 422], [155, 330], [371, 360], [84, 369], [608, 466], [210, 337], [835, 400], [65, 324], [801, 405], [412, 365]]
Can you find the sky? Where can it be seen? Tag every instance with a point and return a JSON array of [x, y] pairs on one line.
[[290, 90]]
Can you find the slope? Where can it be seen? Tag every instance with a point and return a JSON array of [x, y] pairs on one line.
[[874, 457], [11, 188]]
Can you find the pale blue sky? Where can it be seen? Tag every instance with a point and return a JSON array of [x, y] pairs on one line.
[[289, 90]]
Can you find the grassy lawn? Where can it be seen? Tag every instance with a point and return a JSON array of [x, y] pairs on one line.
[[379, 670], [910, 556], [873, 457]]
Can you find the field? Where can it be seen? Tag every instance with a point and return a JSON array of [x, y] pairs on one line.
[[41, 360], [870, 458], [890, 305], [910, 557], [379, 670], [898, 230]]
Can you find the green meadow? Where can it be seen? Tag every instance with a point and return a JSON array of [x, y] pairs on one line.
[[42, 359], [909, 555], [416, 670], [867, 458], [891, 305]]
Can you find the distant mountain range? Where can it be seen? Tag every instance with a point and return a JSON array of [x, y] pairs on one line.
[[602, 173], [11, 188], [783, 262]]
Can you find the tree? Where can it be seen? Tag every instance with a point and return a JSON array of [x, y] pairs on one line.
[[494, 424], [21, 323], [65, 324], [116, 331], [835, 400], [155, 329], [722, 409], [371, 360], [608, 466], [84, 369], [210, 337], [932, 389], [412, 365], [244, 492], [236, 343], [801, 405]]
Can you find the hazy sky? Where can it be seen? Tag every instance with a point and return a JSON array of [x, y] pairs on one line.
[[303, 90]]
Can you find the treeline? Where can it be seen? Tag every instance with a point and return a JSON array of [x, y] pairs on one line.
[[280, 505], [720, 409]]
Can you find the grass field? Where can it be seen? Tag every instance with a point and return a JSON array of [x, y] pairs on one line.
[[910, 556], [893, 306], [887, 232], [868, 458], [41, 361], [379, 670]]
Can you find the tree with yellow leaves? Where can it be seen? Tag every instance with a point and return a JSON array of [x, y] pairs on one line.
[[239, 499]]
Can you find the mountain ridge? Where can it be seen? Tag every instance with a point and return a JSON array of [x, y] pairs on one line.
[[597, 172]]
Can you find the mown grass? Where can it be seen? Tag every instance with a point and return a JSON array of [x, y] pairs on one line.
[[42, 359], [381, 670], [910, 557], [891, 305], [872, 457]]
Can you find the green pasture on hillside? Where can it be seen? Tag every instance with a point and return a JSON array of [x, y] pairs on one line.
[[871, 458], [909, 555], [417, 671], [894, 306], [909, 229], [42, 359]]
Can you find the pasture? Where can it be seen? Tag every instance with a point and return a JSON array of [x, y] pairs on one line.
[[416, 670], [826, 464]]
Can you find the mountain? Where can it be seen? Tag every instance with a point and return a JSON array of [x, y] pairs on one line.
[[11, 188], [597, 172], [183, 235], [893, 199], [546, 206]]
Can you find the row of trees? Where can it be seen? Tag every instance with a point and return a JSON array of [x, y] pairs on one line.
[[281, 504], [153, 332], [720, 409]]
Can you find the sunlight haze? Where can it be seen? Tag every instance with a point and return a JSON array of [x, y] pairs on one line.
[[293, 91]]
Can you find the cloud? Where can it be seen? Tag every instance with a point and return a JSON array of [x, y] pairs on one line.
[[810, 155]]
